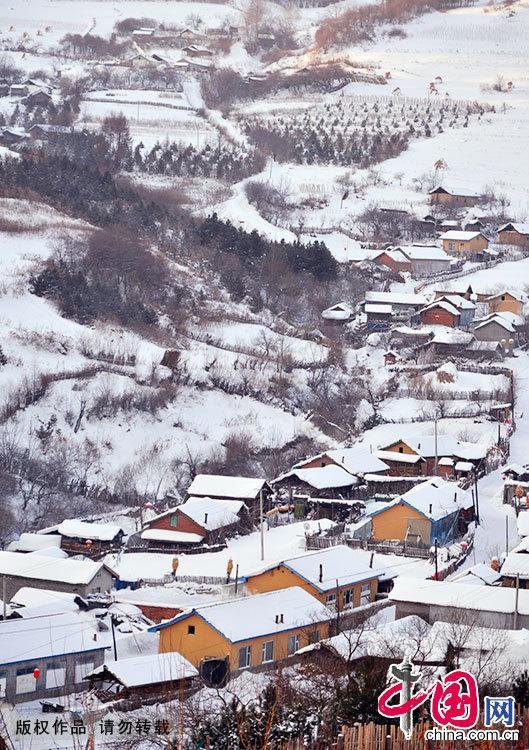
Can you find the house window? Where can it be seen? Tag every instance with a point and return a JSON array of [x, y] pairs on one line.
[[191, 630], [268, 651], [26, 682], [331, 598], [503, 297], [245, 657], [322, 463], [451, 246], [401, 449], [347, 597], [314, 636], [293, 644], [3, 684], [55, 674], [173, 521], [365, 593], [83, 666], [462, 246]]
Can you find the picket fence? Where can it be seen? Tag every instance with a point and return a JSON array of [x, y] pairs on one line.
[[381, 737]]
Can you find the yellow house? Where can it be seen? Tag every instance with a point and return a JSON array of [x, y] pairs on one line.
[[464, 243], [248, 632], [339, 577], [506, 302], [434, 510]]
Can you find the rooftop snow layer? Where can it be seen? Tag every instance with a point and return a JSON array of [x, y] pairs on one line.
[[255, 616], [208, 513], [459, 236], [48, 569], [394, 298], [449, 594], [322, 477], [356, 461], [516, 564], [149, 669], [215, 485], [434, 499], [104, 532], [48, 636], [340, 563], [31, 542]]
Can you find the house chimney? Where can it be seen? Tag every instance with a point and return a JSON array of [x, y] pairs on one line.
[[282, 619], [343, 459], [511, 347], [430, 511], [205, 517], [455, 497], [371, 560], [321, 573], [277, 619]]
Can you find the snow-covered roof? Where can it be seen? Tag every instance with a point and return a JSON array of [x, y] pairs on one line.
[[396, 298], [215, 485], [104, 532], [444, 306], [322, 477], [395, 255], [445, 461], [499, 320], [423, 252], [176, 537], [516, 563], [480, 574], [457, 301], [340, 563], [378, 308], [517, 226], [405, 458], [341, 311], [47, 568], [452, 336], [48, 636], [434, 499], [148, 669], [450, 594], [460, 236], [388, 640], [467, 193], [515, 295], [464, 466], [208, 513], [255, 616], [31, 542], [447, 445], [357, 461], [28, 596], [522, 523]]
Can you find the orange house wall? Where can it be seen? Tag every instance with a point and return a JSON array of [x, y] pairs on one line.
[[282, 578], [207, 643], [393, 522]]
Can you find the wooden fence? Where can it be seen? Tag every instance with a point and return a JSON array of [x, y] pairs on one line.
[[383, 737]]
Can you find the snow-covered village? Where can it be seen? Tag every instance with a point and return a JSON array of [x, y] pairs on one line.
[[264, 365]]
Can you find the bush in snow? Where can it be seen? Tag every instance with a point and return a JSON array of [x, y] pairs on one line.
[[3, 358]]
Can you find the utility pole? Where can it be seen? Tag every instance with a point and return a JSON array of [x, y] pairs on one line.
[[114, 637], [477, 499], [506, 535], [4, 596], [436, 569], [261, 522], [515, 623], [435, 440]]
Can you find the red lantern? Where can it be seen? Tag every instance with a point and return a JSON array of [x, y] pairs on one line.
[[88, 543], [36, 673], [148, 505]]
